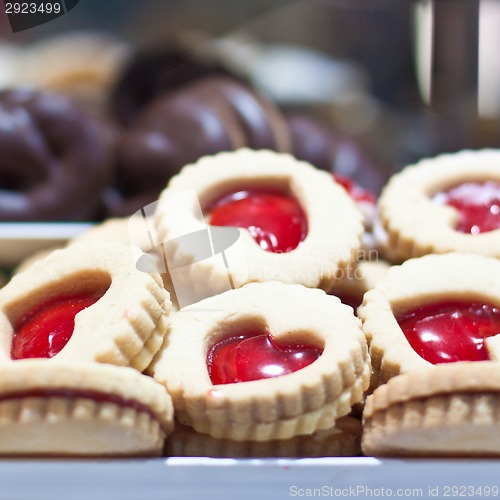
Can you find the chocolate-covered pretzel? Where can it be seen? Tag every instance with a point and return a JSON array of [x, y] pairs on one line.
[[55, 162], [212, 115]]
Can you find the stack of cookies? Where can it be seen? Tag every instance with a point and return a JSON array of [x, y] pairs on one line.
[[214, 315], [243, 297], [433, 322]]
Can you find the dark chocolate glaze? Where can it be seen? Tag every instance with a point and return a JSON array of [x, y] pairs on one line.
[[55, 162], [153, 73]]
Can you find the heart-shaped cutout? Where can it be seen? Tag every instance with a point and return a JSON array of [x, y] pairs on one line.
[[46, 329], [275, 220], [451, 331], [255, 356], [478, 205]]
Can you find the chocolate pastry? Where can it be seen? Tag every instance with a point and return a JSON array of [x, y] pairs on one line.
[[212, 115], [154, 73], [333, 150], [55, 161]]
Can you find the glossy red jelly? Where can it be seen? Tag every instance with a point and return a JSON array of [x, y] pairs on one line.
[[451, 331], [43, 332], [357, 193], [256, 356], [478, 205], [275, 220]]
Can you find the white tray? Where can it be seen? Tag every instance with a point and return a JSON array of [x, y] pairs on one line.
[[20, 240], [217, 479]]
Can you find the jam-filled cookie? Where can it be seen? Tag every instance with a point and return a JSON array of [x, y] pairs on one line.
[[81, 410], [446, 204], [445, 410], [84, 303], [342, 440], [431, 310], [133, 231], [266, 361], [296, 224]]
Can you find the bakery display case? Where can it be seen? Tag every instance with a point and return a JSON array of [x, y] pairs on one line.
[[251, 246]]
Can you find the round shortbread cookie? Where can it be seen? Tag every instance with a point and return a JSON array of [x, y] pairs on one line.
[[117, 230], [136, 231], [419, 282], [334, 223], [343, 440], [280, 407], [49, 409], [132, 231], [445, 410], [38, 255], [413, 224], [126, 325]]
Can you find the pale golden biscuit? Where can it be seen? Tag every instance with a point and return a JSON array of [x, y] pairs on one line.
[[333, 234], [40, 254], [280, 407], [445, 410], [411, 224], [343, 440], [115, 231], [129, 231], [126, 326], [49, 409], [111, 230], [416, 283]]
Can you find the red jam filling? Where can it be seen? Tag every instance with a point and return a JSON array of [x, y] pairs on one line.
[[451, 331], [275, 220], [478, 205], [44, 331], [256, 356], [357, 193]]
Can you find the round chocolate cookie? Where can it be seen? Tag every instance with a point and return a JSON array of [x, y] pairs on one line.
[[55, 161]]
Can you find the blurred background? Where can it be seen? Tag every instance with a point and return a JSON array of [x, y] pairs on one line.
[[407, 79]]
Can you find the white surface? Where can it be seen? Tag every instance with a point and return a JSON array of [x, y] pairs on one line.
[[20, 240]]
